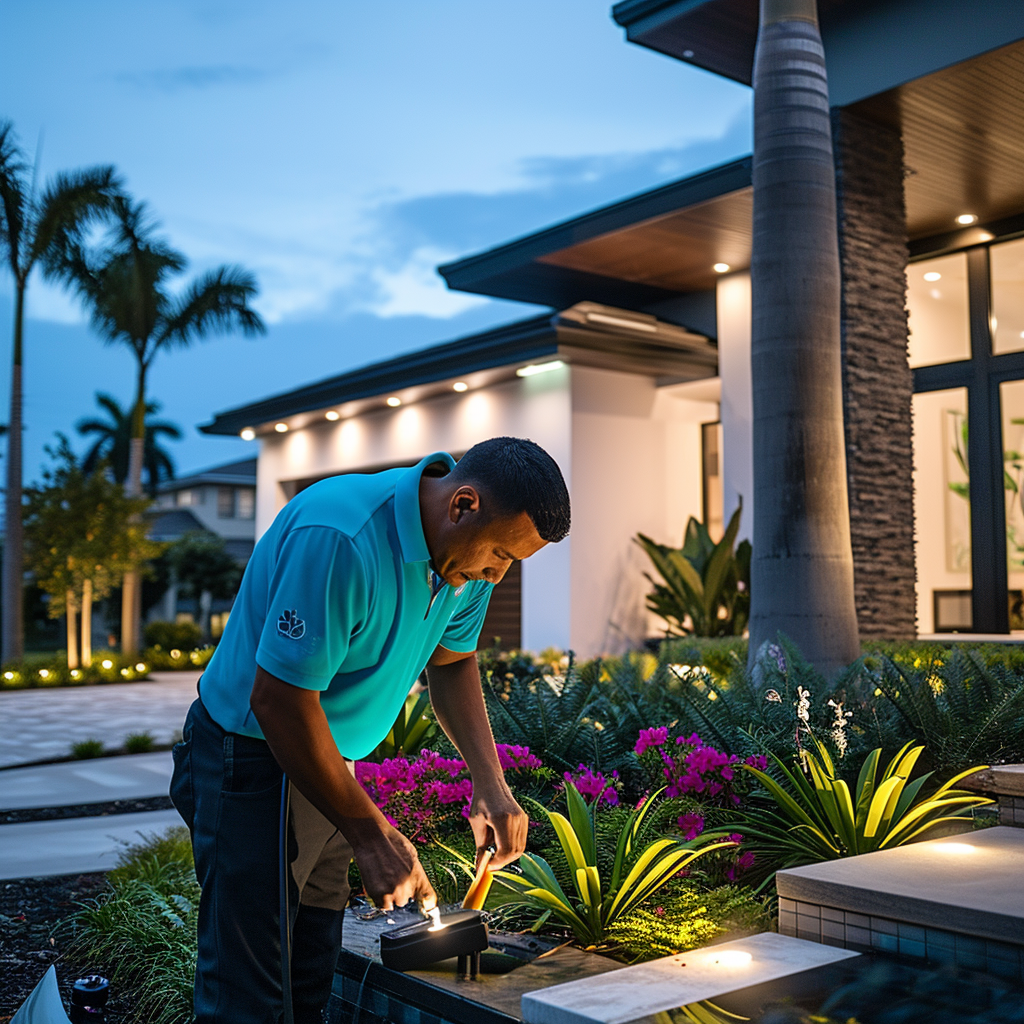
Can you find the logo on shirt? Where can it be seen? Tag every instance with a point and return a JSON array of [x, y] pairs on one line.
[[290, 625]]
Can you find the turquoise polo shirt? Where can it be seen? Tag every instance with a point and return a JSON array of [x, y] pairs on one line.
[[339, 596]]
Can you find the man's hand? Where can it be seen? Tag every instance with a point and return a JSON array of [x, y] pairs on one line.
[[497, 820], [392, 874]]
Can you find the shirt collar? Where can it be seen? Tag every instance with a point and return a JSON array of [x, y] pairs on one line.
[[408, 518]]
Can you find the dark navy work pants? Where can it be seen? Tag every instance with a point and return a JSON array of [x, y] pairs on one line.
[[227, 788]]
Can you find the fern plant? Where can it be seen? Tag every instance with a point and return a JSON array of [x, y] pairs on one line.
[[706, 588], [599, 902], [816, 817], [961, 707]]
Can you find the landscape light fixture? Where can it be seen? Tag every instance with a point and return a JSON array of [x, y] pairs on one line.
[[534, 368], [332, 415], [621, 321], [460, 386], [966, 218], [933, 275], [394, 401], [721, 268], [248, 434], [106, 663], [281, 428]]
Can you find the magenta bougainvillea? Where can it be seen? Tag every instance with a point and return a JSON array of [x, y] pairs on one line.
[[594, 787], [423, 796]]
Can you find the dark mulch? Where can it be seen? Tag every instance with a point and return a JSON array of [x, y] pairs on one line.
[[32, 912], [154, 803]]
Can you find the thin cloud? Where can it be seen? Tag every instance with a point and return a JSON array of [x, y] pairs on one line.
[[199, 76]]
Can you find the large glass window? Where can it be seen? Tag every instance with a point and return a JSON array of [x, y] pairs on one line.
[[937, 301], [942, 511], [1012, 402], [1007, 269]]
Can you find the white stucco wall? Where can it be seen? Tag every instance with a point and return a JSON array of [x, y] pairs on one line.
[[636, 468], [737, 403], [535, 407]]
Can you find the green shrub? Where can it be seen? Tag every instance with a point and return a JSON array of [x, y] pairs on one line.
[[45, 670], [87, 748], [178, 658], [173, 635], [139, 742], [142, 933], [686, 917]]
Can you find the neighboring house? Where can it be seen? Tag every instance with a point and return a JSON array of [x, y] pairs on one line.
[[928, 122], [220, 500]]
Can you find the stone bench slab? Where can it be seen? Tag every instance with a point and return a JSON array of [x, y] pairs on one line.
[[641, 991]]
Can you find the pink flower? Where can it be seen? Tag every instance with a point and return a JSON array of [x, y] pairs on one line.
[[593, 786], [514, 757], [759, 761], [650, 738], [691, 825]]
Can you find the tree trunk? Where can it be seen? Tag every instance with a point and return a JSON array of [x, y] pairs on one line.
[[72, 628], [87, 623], [802, 571], [131, 593], [12, 642]]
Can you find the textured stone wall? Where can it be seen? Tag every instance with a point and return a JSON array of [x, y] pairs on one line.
[[877, 382]]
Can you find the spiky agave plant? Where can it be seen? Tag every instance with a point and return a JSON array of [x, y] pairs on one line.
[[598, 902], [816, 817]]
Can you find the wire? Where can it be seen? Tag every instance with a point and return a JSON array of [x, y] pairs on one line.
[[283, 907], [359, 994]]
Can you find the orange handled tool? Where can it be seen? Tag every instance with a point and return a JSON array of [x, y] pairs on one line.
[[481, 884]]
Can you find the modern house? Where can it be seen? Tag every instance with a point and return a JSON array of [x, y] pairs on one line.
[[220, 500], [650, 347]]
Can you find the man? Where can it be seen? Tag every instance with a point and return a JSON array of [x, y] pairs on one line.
[[360, 582]]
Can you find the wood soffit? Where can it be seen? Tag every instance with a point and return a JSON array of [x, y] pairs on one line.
[[963, 132]]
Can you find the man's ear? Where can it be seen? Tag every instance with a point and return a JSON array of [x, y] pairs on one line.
[[465, 499]]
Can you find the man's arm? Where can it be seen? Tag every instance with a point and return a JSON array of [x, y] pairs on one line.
[[458, 703], [300, 739]]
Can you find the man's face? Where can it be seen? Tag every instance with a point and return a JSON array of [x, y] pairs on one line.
[[475, 551]]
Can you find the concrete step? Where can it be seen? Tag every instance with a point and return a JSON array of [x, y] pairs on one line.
[[130, 777], [37, 849]]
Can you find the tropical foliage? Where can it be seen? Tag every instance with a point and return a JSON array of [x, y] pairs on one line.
[[706, 586], [817, 817], [113, 441], [599, 899], [200, 563], [414, 727], [37, 228]]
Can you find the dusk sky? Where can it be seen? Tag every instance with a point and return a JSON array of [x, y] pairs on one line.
[[340, 151]]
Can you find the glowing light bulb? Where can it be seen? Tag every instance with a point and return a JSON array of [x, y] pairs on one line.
[[248, 434], [435, 918], [281, 428], [721, 268], [460, 386], [933, 275], [332, 415], [107, 663], [394, 401], [966, 218]]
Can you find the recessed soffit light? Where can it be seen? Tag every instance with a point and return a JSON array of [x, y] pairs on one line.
[[281, 428]]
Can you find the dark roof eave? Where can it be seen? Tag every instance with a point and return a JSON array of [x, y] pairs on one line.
[[484, 271]]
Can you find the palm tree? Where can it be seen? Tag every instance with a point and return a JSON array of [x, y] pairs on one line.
[[114, 440], [35, 229], [124, 286], [802, 571]]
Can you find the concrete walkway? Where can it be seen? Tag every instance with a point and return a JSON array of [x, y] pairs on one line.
[[130, 777], [73, 846], [39, 724]]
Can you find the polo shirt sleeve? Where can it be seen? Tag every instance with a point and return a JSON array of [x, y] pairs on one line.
[[317, 599], [463, 630]]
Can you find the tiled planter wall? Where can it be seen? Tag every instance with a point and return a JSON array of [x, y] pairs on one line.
[[861, 932]]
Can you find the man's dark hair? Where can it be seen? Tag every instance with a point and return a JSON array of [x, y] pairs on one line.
[[516, 475]]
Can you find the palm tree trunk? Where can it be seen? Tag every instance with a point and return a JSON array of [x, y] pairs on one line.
[[87, 623], [72, 628], [802, 571], [131, 593], [12, 642]]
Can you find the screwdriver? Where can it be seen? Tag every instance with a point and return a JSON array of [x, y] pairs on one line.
[[481, 884]]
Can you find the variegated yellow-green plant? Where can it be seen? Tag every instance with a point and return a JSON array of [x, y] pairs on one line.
[[596, 902], [816, 817]]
